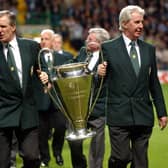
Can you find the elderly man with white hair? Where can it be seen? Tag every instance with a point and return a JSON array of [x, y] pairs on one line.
[[92, 54]]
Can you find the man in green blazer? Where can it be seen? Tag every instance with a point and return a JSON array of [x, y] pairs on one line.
[[17, 103], [50, 115], [130, 115], [93, 55]]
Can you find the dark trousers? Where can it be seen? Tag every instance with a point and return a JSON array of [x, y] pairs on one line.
[[14, 150], [28, 145], [97, 143], [55, 120], [44, 128], [129, 144], [58, 122], [77, 156]]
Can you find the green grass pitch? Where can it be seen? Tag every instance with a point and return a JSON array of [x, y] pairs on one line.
[[158, 147]]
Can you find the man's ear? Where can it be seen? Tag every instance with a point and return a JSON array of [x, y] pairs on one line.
[[124, 24], [13, 27]]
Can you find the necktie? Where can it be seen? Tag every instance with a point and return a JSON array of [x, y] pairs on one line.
[[11, 63], [134, 57]]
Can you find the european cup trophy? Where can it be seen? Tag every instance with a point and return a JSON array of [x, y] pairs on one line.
[[72, 92]]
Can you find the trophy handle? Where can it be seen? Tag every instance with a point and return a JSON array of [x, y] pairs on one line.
[[100, 86], [57, 101], [49, 62], [50, 66]]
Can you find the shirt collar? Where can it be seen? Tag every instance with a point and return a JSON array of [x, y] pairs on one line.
[[60, 52], [13, 42], [127, 40]]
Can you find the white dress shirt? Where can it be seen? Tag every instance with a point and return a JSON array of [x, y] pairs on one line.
[[93, 61]]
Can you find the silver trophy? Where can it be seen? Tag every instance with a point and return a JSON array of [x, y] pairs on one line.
[[72, 91]]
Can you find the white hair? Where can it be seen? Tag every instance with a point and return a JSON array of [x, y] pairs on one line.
[[125, 14], [50, 31], [101, 34]]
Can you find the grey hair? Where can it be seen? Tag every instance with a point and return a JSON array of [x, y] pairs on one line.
[[57, 35], [50, 31], [101, 34], [11, 15], [125, 14]]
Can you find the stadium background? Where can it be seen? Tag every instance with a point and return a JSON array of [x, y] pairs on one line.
[[73, 18]]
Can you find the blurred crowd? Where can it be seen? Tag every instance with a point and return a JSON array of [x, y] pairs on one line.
[[73, 18]]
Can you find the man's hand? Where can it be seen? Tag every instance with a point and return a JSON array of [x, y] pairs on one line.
[[163, 122], [43, 76], [92, 46], [101, 70]]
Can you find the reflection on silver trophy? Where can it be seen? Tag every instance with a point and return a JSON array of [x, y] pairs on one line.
[[72, 91]]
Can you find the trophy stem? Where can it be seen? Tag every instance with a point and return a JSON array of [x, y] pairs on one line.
[[80, 134]]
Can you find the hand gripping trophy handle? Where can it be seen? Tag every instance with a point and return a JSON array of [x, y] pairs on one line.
[[72, 93]]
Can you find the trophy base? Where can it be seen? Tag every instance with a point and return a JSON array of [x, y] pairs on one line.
[[80, 134]]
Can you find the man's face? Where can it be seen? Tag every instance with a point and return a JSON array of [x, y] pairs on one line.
[[92, 44], [7, 31], [46, 40], [134, 27], [57, 44]]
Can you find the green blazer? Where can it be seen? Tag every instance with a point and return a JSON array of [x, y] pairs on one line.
[[17, 105], [130, 98], [100, 106]]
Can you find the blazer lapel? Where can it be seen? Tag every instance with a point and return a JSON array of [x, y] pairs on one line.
[[5, 68], [3, 61], [142, 50], [23, 61]]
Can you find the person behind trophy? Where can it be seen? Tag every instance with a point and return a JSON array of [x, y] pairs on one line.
[[48, 110], [58, 45], [54, 118], [91, 53], [133, 89], [43, 105]]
